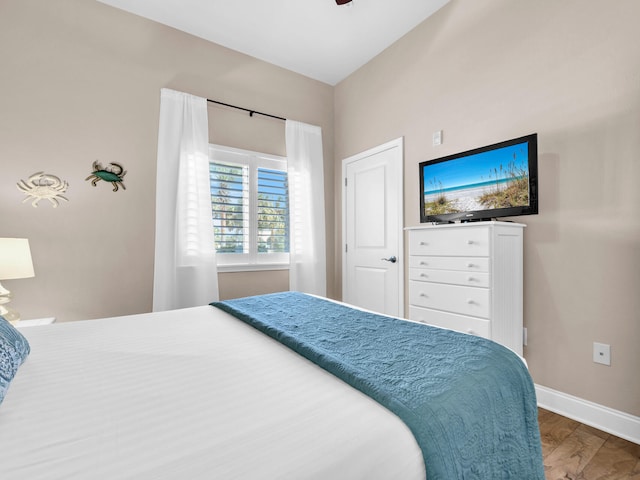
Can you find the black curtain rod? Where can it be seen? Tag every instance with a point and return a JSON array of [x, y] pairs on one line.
[[251, 112]]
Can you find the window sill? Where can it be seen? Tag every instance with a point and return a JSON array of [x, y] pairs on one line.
[[256, 267]]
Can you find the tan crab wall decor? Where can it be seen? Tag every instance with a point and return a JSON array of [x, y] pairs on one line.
[[42, 185]]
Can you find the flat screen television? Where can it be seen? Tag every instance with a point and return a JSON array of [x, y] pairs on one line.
[[499, 180]]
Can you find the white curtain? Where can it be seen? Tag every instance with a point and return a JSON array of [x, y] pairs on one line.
[[307, 248], [185, 272]]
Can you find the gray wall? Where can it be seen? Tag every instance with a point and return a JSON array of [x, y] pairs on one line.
[[81, 82], [488, 71]]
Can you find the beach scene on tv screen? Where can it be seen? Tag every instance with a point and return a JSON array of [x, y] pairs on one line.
[[484, 181]]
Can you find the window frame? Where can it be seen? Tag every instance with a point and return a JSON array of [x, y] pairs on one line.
[[251, 261]]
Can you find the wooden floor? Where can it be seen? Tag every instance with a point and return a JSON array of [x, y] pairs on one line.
[[575, 451]]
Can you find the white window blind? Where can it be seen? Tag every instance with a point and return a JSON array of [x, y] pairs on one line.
[[273, 211], [250, 207]]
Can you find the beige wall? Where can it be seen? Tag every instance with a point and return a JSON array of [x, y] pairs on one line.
[[81, 82], [493, 70]]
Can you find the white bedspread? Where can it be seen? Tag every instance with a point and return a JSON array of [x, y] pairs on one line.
[[189, 394]]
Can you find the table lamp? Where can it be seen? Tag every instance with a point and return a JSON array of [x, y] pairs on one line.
[[15, 262]]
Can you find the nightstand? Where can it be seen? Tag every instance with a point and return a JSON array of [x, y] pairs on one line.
[[34, 322]]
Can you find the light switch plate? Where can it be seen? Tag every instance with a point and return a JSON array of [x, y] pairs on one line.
[[602, 353]]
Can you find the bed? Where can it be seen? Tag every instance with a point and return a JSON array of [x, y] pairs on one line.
[[234, 391]]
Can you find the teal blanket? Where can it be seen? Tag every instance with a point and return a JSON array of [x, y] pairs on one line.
[[469, 402]]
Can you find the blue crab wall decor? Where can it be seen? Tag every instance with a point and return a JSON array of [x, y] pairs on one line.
[[113, 173], [43, 185]]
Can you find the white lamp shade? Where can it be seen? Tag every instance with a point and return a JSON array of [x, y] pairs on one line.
[[15, 259]]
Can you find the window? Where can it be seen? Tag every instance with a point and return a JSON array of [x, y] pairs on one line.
[[250, 208]]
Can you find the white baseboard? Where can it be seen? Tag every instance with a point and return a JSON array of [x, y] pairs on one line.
[[603, 418]]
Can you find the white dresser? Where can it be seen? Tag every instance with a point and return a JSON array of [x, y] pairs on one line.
[[468, 277]]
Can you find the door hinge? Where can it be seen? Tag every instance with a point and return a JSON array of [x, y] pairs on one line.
[[346, 248], [345, 181]]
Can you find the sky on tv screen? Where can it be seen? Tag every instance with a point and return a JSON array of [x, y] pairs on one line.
[[476, 170]]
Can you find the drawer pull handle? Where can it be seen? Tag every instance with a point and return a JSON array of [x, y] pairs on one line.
[[424, 275], [424, 243], [424, 295], [471, 332], [424, 263], [470, 301], [471, 279], [469, 242], [470, 265]]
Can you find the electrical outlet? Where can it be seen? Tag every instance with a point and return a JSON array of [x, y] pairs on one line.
[[602, 353], [437, 138]]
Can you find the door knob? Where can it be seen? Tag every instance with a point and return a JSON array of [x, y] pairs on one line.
[[392, 259]]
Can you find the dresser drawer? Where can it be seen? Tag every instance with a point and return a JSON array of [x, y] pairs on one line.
[[452, 321], [453, 277], [466, 264], [472, 301], [450, 241]]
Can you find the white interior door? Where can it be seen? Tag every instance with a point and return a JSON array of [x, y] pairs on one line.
[[372, 256]]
